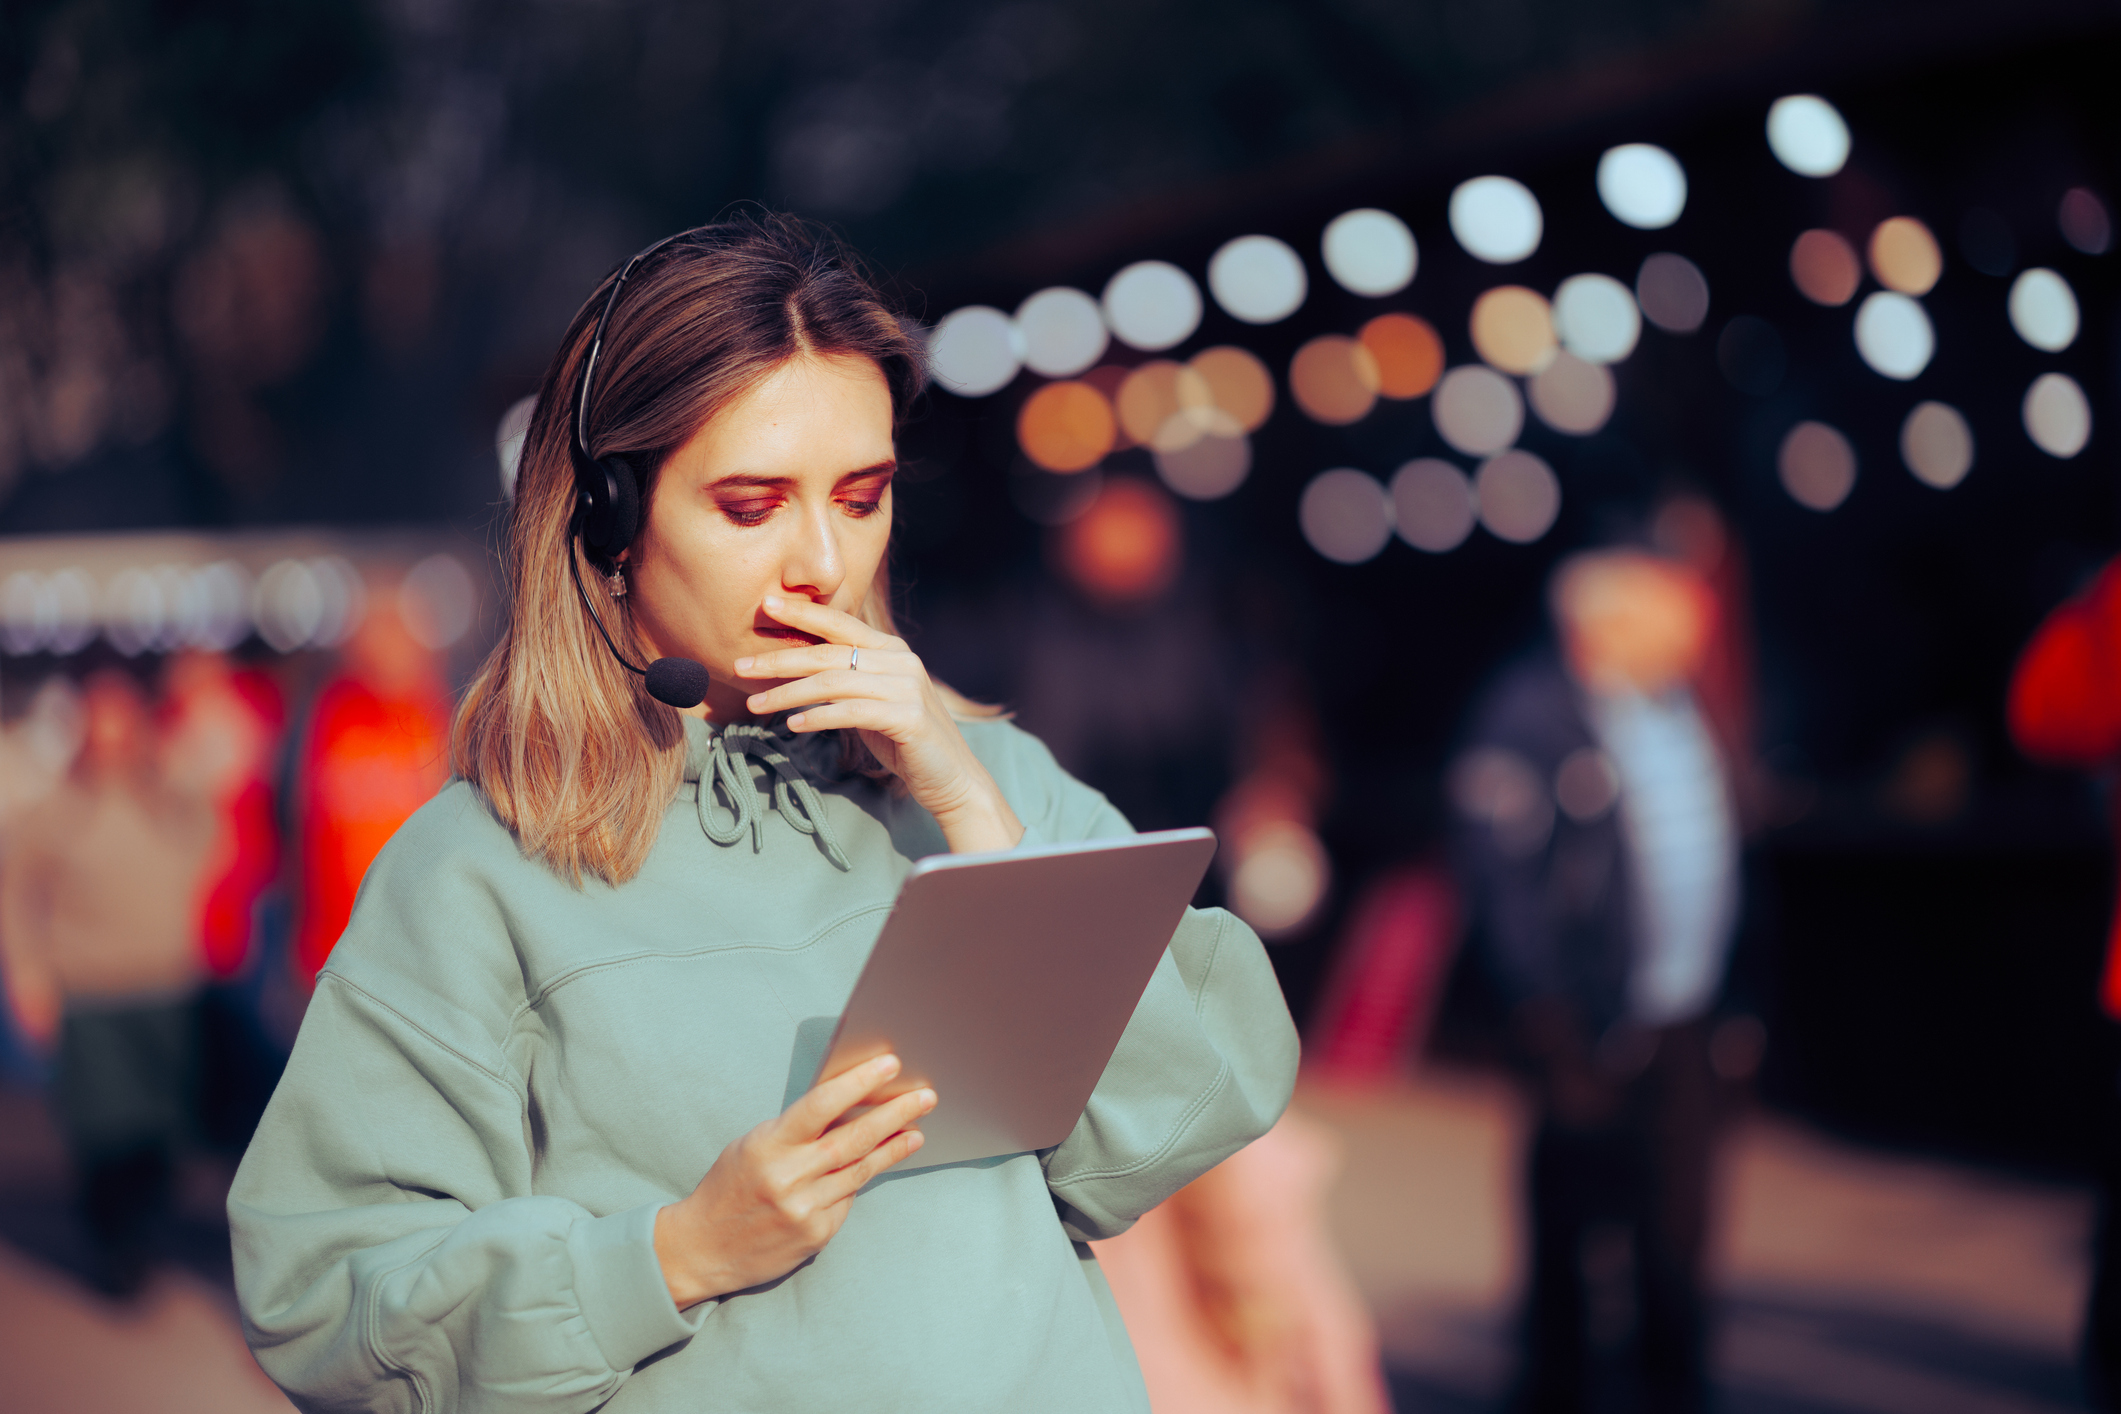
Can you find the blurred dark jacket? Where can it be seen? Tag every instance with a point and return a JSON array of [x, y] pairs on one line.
[[1549, 889]]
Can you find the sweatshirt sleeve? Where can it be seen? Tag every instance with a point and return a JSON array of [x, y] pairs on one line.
[[1206, 1064], [389, 1251]]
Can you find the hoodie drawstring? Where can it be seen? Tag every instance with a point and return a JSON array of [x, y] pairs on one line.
[[726, 772]]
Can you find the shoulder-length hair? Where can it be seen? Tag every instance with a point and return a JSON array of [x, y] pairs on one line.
[[566, 745]]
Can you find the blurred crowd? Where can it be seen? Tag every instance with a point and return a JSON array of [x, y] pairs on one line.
[[180, 845]]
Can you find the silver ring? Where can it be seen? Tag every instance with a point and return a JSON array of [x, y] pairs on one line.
[[854, 660]]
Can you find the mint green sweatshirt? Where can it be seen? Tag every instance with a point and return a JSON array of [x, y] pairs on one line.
[[450, 1202]]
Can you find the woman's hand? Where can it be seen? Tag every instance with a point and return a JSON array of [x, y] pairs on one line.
[[777, 1195], [890, 701]]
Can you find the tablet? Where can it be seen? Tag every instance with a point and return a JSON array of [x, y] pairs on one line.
[[1004, 981]]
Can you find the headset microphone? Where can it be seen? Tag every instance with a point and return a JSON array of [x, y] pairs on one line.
[[608, 515]]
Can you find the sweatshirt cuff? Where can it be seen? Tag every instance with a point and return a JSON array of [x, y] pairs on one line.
[[619, 1286]]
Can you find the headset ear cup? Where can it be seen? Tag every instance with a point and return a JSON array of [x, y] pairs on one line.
[[625, 503]]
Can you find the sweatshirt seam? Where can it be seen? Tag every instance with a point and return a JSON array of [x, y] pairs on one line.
[[371, 1322], [480, 1066], [1177, 1132], [544, 993], [1207, 973]]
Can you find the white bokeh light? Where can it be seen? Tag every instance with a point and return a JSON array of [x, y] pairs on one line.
[[1477, 410], [1152, 305], [2058, 417], [1346, 515], [1642, 185], [1062, 332], [975, 351], [1370, 252], [1496, 219], [1258, 279], [1893, 334], [2043, 310], [1807, 135], [1434, 506], [1596, 318]]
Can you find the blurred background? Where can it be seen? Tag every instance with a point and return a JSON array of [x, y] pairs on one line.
[[1283, 353]]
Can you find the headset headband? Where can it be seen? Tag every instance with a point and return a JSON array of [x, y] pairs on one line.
[[596, 342]]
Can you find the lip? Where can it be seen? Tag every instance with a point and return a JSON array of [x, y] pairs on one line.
[[784, 633]]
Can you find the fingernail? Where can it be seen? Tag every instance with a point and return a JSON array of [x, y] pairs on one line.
[[797, 719], [914, 1140], [885, 1063], [773, 601], [927, 1099], [743, 665], [752, 702]]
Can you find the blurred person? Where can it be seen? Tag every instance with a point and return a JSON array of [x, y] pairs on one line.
[[98, 937], [220, 731], [1600, 849], [375, 749], [1234, 1297], [531, 1149], [2065, 709]]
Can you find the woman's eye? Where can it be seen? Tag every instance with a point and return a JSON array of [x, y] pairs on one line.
[[863, 508], [747, 512]]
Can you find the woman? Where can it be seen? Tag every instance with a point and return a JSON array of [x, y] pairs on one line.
[[534, 1149]]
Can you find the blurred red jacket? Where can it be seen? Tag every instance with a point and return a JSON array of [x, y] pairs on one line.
[[2065, 706]]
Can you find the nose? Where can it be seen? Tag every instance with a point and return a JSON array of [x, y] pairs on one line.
[[813, 564]]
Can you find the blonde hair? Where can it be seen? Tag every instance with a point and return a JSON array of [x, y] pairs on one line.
[[566, 745]]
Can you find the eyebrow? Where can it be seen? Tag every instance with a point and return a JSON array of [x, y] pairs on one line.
[[745, 478]]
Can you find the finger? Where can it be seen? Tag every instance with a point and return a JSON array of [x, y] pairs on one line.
[[833, 625], [822, 658], [897, 720], [835, 685], [826, 1101], [845, 1183], [844, 1145]]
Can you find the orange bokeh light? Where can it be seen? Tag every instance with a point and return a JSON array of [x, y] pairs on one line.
[[1825, 268], [1235, 382], [1905, 257], [1408, 352], [1334, 379], [1513, 329], [1126, 548], [1066, 426]]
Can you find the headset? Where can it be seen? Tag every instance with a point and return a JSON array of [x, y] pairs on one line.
[[607, 514]]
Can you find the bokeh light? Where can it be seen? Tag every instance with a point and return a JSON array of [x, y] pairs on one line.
[[1149, 408], [1208, 468], [1334, 379], [1937, 445], [2084, 221], [438, 601], [1152, 305], [1433, 505], [288, 606], [1673, 293], [1257, 279], [1370, 252], [974, 351], [1235, 382], [1596, 318], [1281, 877], [1519, 496], [1513, 329], [1893, 334], [1904, 256], [2058, 417], [1062, 332], [50, 612], [2043, 310], [1495, 219], [1477, 410], [1751, 354], [1125, 546], [1817, 466], [1346, 515], [1807, 135], [1824, 267], [1408, 353], [1573, 395], [1066, 426], [1642, 185]]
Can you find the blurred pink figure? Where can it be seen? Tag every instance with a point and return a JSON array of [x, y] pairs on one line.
[[1387, 977], [1234, 1296]]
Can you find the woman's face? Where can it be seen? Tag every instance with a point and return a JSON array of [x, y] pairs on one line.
[[786, 491]]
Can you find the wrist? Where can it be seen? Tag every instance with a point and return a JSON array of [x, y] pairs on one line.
[[677, 1252], [981, 822]]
